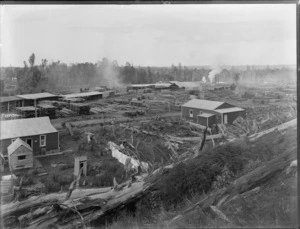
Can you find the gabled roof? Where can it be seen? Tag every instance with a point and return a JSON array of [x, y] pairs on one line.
[[203, 104], [38, 96], [16, 144], [25, 127]]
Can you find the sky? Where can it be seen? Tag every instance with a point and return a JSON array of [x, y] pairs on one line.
[[150, 35]]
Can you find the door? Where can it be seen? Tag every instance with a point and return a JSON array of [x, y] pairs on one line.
[[29, 141], [225, 119], [80, 167]]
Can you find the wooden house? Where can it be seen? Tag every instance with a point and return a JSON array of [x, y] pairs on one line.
[[38, 133], [207, 113], [20, 155]]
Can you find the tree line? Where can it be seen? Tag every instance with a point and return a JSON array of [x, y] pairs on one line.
[[50, 76]]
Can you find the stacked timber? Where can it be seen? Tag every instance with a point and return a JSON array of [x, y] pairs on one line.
[[66, 113], [47, 110], [10, 116], [79, 108], [121, 101], [28, 112]]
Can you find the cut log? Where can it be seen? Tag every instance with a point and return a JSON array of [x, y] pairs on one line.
[[198, 126], [194, 139]]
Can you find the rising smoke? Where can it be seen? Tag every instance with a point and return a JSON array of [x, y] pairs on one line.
[[213, 72], [108, 73]]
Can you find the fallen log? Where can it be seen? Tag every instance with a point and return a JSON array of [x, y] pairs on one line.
[[198, 126], [194, 139], [286, 125]]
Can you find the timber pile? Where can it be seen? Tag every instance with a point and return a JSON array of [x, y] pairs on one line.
[[47, 110], [80, 108], [10, 116], [98, 110], [66, 113], [28, 112]]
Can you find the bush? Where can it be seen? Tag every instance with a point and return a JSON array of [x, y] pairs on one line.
[[110, 170], [51, 186], [63, 167], [198, 175]]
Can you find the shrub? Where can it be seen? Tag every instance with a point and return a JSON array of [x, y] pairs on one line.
[[198, 175], [63, 167], [51, 186]]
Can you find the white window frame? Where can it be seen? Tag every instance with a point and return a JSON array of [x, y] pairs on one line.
[[41, 140], [191, 113]]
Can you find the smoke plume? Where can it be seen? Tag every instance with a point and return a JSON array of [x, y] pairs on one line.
[[213, 72]]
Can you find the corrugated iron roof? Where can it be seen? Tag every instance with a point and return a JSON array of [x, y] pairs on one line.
[[228, 110], [16, 144], [25, 127], [203, 104], [37, 96], [83, 94], [9, 99]]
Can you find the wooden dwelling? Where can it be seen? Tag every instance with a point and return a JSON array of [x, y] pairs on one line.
[[207, 113], [38, 133], [20, 155]]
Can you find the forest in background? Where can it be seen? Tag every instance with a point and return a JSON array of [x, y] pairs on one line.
[[52, 76]]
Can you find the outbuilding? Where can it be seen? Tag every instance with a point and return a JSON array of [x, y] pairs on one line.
[[207, 113], [20, 155], [38, 133]]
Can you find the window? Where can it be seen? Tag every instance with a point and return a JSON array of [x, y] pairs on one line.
[[191, 114], [43, 140], [29, 141], [22, 157]]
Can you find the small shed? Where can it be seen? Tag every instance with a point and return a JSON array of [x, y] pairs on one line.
[[80, 162], [20, 155]]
